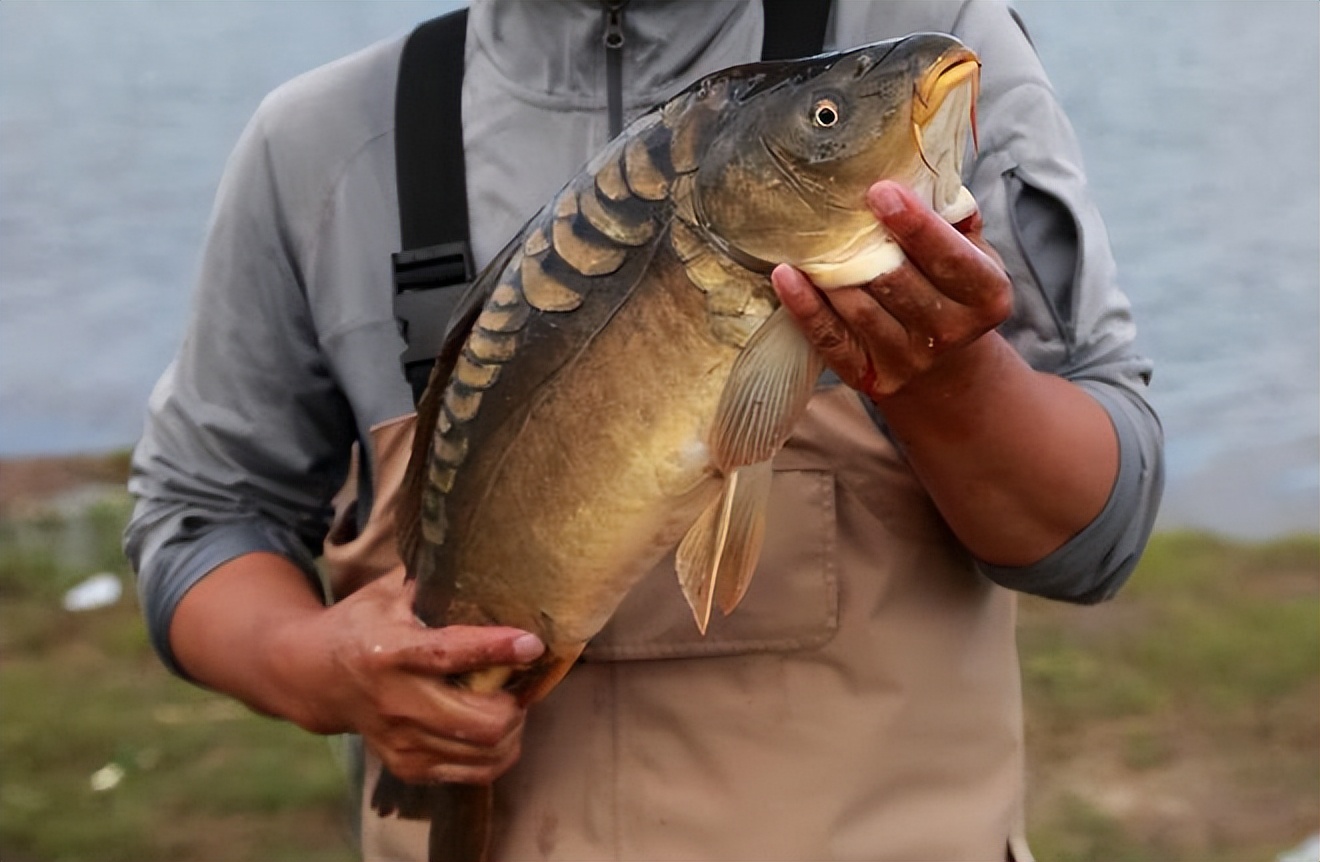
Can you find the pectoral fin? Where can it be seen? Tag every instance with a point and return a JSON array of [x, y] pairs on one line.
[[717, 557], [767, 390]]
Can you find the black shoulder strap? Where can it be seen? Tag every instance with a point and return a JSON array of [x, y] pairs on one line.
[[428, 141], [436, 261]]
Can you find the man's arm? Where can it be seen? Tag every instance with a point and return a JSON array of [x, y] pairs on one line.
[[254, 628], [1070, 319], [1017, 461]]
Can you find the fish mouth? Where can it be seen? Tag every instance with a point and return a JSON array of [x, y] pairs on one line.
[[959, 68], [951, 71], [943, 110]]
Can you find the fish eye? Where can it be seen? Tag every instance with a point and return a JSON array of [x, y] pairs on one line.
[[825, 113]]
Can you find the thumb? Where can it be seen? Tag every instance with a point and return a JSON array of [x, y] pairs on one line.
[[460, 649]]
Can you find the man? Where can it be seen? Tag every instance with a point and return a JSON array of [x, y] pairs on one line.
[[990, 435]]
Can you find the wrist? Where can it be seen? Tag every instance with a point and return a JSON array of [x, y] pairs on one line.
[[299, 673], [249, 629]]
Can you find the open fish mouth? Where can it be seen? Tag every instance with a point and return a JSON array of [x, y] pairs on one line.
[[946, 96], [955, 69]]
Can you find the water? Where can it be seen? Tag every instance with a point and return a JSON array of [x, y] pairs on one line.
[[115, 123], [1199, 122]]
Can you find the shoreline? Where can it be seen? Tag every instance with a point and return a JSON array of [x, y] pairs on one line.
[[31, 484]]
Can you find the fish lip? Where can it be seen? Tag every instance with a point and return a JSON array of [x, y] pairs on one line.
[[954, 68]]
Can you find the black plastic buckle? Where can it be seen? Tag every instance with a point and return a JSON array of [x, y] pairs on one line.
[[428, 283]]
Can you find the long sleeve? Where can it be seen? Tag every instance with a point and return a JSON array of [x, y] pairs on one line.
[[247, 434], [292, 351]]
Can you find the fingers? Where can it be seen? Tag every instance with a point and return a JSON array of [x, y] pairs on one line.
[[394, 686], [953, 259], [451, 736], [434, 730], [927, 318], [425, 726], [426, 765], [443, 651], [825, 329], [881, 336]]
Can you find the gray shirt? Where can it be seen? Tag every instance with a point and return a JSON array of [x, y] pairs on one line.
[[292, 351]]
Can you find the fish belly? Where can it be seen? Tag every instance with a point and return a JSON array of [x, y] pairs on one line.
[[609, 471]]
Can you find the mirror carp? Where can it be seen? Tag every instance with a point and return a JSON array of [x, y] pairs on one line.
[[618, 379]]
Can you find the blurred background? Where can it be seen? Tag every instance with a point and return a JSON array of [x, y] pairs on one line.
[[1177, 722]]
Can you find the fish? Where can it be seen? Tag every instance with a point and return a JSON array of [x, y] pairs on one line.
[[618, 379]]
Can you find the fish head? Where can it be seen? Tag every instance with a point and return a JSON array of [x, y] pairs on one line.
[[785, 179]]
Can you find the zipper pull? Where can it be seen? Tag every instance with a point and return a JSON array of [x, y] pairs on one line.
[[614, 24], [613, 40]]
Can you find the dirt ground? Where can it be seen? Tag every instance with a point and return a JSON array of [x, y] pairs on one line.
[[31, 483]]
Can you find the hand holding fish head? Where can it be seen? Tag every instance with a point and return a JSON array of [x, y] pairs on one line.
[[881, 336]]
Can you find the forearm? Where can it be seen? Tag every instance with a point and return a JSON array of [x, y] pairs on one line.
[[1017, 461], [231, 632]]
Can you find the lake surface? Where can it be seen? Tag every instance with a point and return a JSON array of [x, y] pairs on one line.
[[1200, 123]]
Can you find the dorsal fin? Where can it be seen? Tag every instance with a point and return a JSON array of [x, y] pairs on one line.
[[409, 517]]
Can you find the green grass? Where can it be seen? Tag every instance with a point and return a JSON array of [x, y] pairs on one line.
[[1180, 721], [203, 778]]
